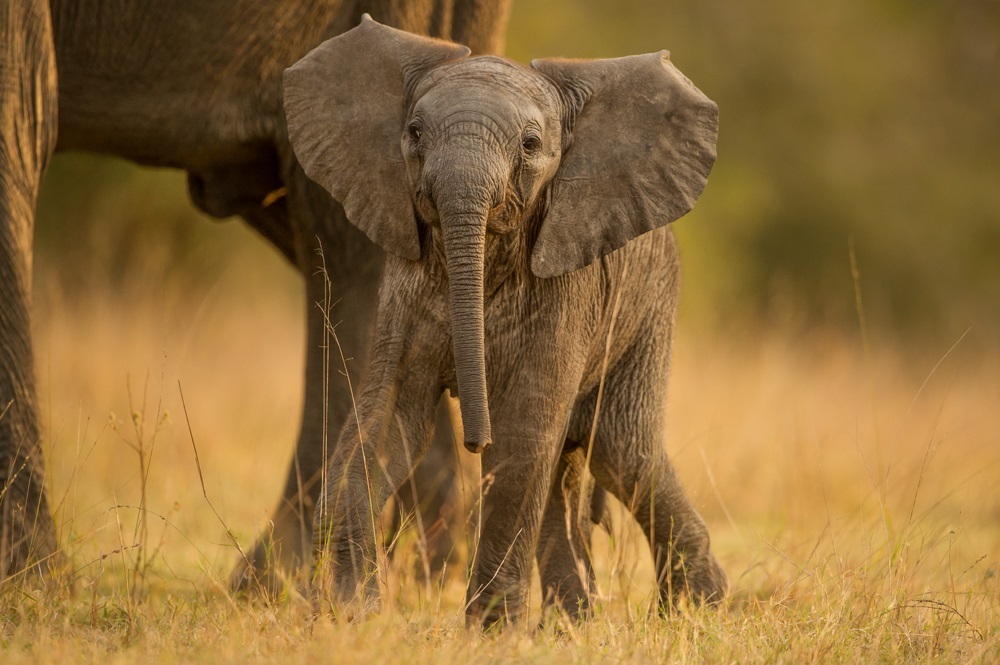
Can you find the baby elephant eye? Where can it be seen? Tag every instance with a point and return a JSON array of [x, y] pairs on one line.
[[531, 143], [414, 131]]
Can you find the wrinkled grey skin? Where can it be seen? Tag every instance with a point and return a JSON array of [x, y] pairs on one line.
[[194, 85], [27, 139], [502, 205]]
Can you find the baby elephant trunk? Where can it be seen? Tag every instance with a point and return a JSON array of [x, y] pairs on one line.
[[465, 247]]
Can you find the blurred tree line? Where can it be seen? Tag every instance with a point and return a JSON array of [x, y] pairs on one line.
[[865, 123]]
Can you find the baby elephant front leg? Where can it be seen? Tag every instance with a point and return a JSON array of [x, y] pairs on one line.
[[344, 527], [363, 473], [517, 474]]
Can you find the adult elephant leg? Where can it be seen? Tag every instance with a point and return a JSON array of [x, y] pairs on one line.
[[27, 138], [482, 26]]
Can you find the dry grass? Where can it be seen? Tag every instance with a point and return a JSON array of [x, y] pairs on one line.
[[852, 498]]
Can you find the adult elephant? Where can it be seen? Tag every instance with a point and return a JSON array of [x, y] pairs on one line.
[[195, 85]]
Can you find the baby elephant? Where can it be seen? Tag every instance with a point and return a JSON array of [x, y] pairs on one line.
[[530, 273]]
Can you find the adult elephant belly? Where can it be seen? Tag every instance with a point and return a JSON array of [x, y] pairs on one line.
[[196, 85]]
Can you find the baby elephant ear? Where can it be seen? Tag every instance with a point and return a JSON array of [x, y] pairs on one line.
[[643, 142], [344, 105]]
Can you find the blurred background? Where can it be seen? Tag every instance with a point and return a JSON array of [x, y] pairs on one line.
[[864, 128], [872, 124], [867, 122]]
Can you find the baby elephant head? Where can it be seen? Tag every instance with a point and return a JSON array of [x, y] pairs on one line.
[[404, 130]]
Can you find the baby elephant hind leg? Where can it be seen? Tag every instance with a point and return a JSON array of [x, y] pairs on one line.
[[630, 461]]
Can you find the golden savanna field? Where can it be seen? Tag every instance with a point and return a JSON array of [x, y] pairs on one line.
[[851, 496], [834, 402]]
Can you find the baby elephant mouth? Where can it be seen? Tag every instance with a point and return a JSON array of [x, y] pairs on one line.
[[506, 215], [426, 210]]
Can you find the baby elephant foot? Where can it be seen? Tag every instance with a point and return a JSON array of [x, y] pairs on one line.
[[495, 613], [263, 572], [359, 608], [698, 582], [253, 576], [343, 597], [561, 617], [568, 599]]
